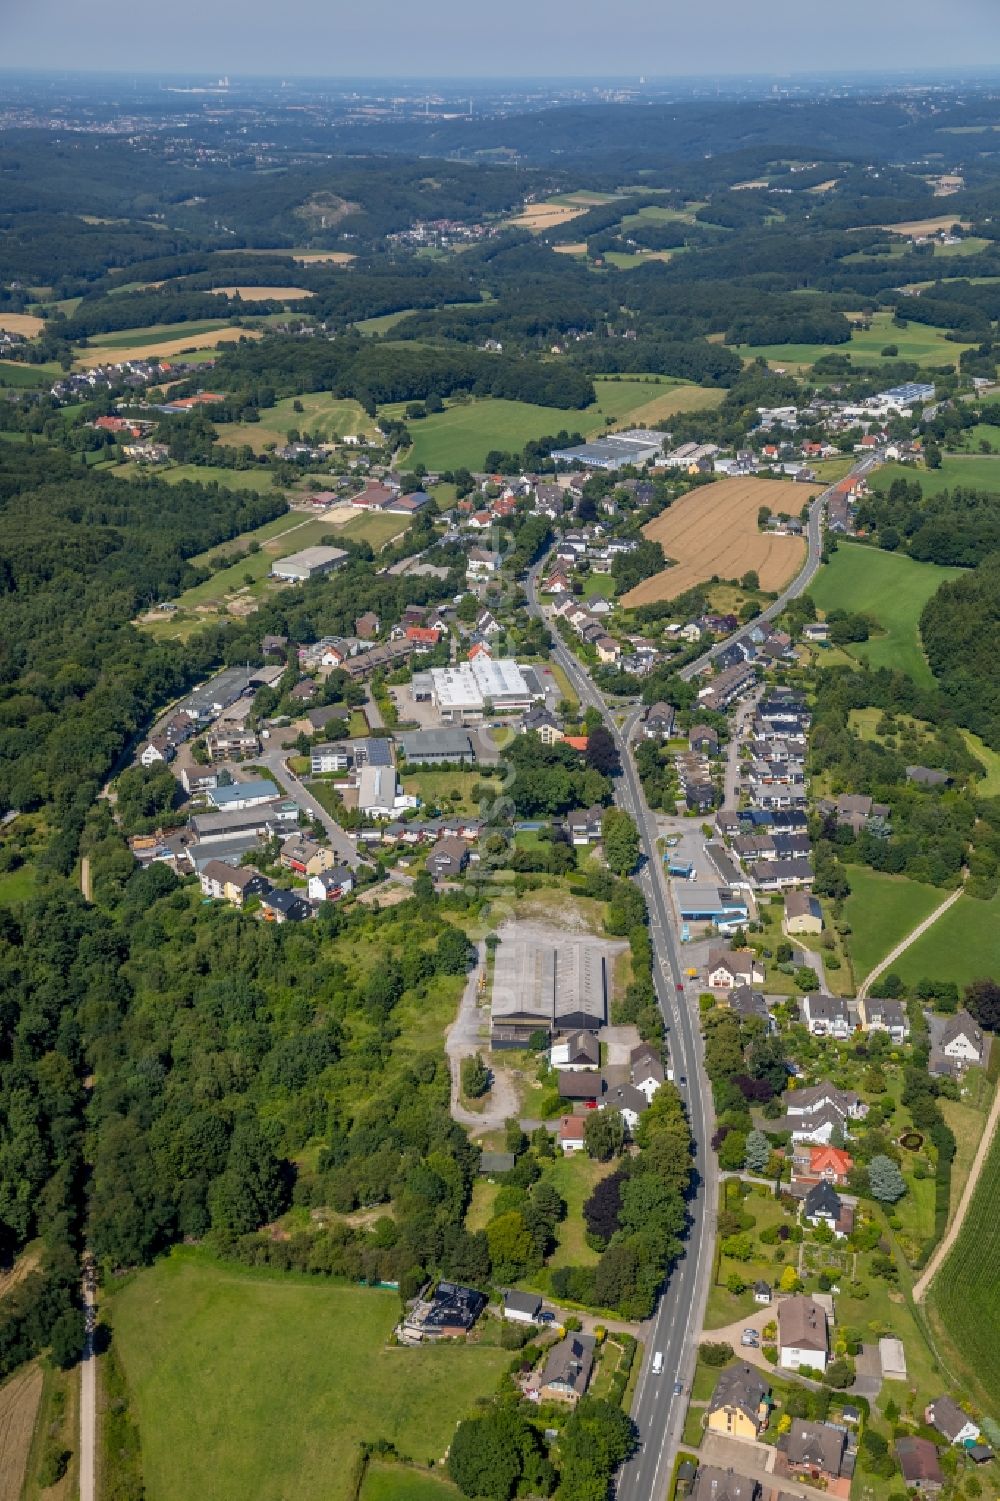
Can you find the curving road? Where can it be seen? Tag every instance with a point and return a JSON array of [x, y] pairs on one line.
[[814, 556], [657, 1411]]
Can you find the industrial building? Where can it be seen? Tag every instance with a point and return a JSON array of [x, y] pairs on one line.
[[240, 795], [538, 987], [638, 446], [462, 693], [307, 564]]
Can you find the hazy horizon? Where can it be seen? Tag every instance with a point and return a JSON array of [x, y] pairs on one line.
[[446, 39]]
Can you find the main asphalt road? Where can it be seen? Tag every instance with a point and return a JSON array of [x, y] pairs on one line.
[[658, 1410], [660, 1402]]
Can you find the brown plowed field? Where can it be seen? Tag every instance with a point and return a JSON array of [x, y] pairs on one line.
[[712, 531]]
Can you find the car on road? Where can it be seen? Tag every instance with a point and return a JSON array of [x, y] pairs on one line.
[[678, 1388], [657, 1362], [679, 985]]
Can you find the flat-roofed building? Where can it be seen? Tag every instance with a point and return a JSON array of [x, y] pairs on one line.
[[436, 747], [538, 987], [464, 692], [307, 564]]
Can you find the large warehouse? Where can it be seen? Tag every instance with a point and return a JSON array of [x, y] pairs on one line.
[[307, 564], [538, 987], [637, 446], [462, 693]]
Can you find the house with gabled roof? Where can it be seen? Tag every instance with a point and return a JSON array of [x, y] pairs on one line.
[[739, 1405]]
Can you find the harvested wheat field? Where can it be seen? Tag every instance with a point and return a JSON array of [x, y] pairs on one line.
[[577, 249], [18, 1409], [926, 226], [21, 323], [164, 348], [302, 257], [712, 532], [538, 217], [264, 294]]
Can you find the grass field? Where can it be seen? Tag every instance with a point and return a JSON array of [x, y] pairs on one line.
[[322, 415], [972, 472], [964, 1298], [918, 341], [394, 1483], [890, 587], [15, 373], [962, 945], [263, 1386], [257, 480], [713, 530], [881, 910], [464, 433]]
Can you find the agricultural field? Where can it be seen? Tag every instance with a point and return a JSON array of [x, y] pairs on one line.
[[249, 1384], [14, 373], [964, 1298], [463, 434], [932, 226], [259, 481], [881, 910], [153, 333], [713, 531], [918, 341], [891, 588], [556, 211], [963, 945], [323, 416], [264, 294], [28, 324], [304, 257], [151, 345], [19, 1399]]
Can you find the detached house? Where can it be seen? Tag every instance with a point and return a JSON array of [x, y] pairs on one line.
[[827, 1016], [883, 1015], [802, 1334], [728, 968], [947, 1417], [330, 885], [824, 1206], [960, 1045], [817, 1447], [658, 722], [232, 883], [584, 826], [566, 1374], [739, 1406]]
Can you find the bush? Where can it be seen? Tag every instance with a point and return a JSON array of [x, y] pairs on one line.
[[716, 1353]]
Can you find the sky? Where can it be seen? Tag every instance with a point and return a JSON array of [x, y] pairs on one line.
[[519, 38]]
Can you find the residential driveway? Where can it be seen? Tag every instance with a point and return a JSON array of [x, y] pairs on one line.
[[273, 758], [868, 1381], [731, 1334], [620, 1042]]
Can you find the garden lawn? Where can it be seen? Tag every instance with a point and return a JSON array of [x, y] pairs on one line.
[[881, 910], [962, 945], [964, 1299], [893, 589], [574, 1177], [437, 787], [248, 1384]]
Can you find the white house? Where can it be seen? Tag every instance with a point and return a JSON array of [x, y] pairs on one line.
[[728, 968], [802, 1334], [827, 1016]]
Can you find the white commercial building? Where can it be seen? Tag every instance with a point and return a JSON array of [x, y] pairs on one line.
[[307, 564], [463, 692]]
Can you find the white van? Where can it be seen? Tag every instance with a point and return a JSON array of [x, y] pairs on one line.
[[657, 1362]]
